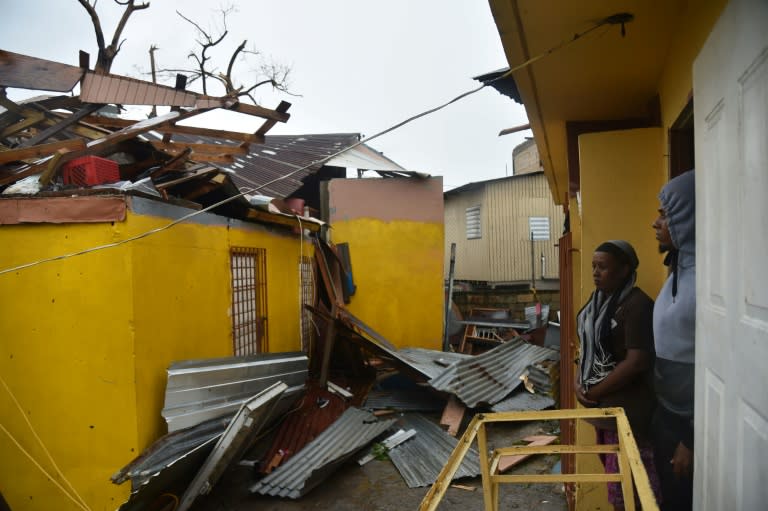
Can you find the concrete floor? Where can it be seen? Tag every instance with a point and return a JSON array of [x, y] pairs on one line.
[[378, 486]]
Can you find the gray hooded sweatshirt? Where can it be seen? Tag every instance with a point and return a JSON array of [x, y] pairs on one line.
[[674, 314]]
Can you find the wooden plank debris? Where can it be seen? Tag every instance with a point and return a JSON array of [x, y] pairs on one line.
[[464, 487], [507, 462], [453, 415], [40, 151], [109, 88], [214, 149], [24, 72]]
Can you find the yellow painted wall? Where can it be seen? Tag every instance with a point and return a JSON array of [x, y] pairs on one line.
[[676, 81], [66, 351], [398, 270], [394, 228], [86, 341]]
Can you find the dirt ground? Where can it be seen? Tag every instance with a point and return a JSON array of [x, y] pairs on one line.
[[378, 486]]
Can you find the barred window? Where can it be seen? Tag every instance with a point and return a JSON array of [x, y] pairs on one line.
[[249, 300], [307, 297]]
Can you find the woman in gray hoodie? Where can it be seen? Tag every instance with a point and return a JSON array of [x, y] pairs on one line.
[[674, 328]]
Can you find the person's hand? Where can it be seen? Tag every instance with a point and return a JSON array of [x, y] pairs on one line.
[[581, 396], [681, 461]]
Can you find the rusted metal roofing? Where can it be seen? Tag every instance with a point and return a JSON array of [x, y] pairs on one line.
[[317, 410], [420, 459], [351, 432], [490, 376], [282, 154], [198, 390]]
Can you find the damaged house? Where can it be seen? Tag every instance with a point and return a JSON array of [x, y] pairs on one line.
[[129, 245]]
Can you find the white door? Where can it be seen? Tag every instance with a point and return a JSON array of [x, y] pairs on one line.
[[730, 83]]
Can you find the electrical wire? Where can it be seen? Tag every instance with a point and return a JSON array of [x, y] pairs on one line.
[[325, 159], [40, 441], [127, 240], [49, 476]]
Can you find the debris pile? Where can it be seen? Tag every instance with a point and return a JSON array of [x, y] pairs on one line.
[[354, 387]]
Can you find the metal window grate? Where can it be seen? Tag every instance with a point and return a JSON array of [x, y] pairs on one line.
[[249, 300], [474, 230], [539, 227], [307, 297]]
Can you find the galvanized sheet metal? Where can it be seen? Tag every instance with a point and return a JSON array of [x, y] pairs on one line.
[[522, 401], [285, 154], [168, 450], [490, 376], [198, 390], [409, 399], [430, 362], [352, 431], [420, 459], [503, 253], [252, 417]]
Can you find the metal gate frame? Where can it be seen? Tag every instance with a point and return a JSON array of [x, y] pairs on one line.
[[630, 465]]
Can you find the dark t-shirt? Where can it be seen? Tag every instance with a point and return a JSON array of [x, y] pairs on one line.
[[634, 330]]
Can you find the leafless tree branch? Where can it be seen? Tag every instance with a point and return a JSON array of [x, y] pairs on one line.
[[107, 54]]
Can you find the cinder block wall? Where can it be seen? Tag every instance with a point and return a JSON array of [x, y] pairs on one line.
[[517, 300]]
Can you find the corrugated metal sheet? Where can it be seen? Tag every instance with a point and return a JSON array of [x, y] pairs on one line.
[[510, 204], [430, 362], [420, 459], [282, 154], [490, 376], [411, 400], [317, 410], [198, 390], [352, 431], [168, 449], [524, 400], [172, 477], [472, 255], [376, 340], [252, 417], [503, 253]]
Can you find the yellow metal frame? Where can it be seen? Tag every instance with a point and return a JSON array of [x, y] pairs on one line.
[[630, 465]]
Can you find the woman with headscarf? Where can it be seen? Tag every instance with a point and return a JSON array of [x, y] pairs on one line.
[[616, 331]]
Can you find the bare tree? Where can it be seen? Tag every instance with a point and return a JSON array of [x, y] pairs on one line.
[[265, 73], [107, 53]]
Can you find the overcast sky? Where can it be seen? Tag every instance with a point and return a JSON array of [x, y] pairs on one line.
[[360, 66]]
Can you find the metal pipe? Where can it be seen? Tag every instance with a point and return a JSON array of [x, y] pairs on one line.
[[449, 298]]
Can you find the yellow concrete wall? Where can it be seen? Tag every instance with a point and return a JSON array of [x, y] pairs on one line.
[[66, 351], [183, 296], [86, 341], [398, 269], [394, 228]]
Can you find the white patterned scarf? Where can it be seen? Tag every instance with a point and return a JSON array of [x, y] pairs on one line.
[[594, 325]]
